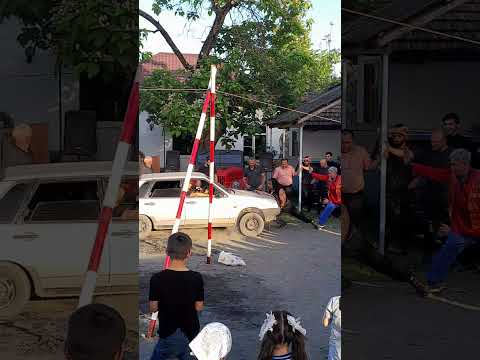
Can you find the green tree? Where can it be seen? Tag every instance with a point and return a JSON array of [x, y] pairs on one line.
[[264, 54]]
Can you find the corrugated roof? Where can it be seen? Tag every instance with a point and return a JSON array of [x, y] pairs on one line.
[[314, 103]]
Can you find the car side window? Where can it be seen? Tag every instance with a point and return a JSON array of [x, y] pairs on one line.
[[64, 201], [166, 189], [11, 201]]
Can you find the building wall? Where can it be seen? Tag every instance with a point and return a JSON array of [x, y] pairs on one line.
[[420, 94], [30, 92]]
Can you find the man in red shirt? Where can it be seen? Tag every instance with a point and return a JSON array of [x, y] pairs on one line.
[[334, 182], [464, 203]]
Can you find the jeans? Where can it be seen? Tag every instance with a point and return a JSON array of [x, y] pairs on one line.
[[322, 220], [447, 255], [174, 346]]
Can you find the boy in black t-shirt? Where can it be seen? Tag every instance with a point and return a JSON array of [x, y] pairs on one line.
[[177, 294]]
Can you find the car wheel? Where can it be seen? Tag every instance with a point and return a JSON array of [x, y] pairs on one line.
[[144, 227], [251, 224], [15, 290]]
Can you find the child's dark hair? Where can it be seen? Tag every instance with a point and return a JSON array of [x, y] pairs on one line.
[[94, 332], [283, 333], [179, 245]]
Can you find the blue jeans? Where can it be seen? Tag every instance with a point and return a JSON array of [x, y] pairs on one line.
[[447, 255], [322, 220], [174, 346]]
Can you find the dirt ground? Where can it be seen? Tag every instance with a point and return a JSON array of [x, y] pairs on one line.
[[293, 267]]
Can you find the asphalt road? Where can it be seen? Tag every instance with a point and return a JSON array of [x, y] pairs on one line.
[[295, 267]]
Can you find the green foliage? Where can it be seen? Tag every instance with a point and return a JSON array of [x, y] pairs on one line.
[[267, 57], [92, 36]]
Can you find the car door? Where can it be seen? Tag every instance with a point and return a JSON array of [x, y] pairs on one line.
[[61, 215], [123, 239], [197, 208], [160, 202]]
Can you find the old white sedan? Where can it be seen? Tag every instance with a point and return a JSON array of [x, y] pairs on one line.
[[48, 222], [160, 193]]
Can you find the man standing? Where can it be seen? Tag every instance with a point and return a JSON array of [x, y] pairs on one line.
[[16, 148], [451, 125], [254, 177], [331, 162], [399, 175], [283, 175], [306, 182], [355, 161], [464, 186]]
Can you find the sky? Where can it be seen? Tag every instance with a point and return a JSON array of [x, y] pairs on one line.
[[188, 37]]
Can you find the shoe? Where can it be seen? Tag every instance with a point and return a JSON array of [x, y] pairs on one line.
[[320, 227], [421, 289]]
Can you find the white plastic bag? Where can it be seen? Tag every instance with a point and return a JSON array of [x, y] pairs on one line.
[[227, 258], [214, 342]]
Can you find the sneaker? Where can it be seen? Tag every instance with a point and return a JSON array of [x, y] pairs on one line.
[[420, 288], [320, 227]]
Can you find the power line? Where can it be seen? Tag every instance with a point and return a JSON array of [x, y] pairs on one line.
[[414, 27], [248, 98]]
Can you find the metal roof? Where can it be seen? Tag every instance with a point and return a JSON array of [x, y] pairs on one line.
[[312, 104], [463, 21]]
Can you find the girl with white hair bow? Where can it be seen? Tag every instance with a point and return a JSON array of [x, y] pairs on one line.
[[282, 337]]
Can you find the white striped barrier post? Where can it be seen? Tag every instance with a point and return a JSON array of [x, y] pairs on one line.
[[212, 167], [183, 195], [109, 202]]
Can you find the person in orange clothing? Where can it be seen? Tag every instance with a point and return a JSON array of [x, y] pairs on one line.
[[464, 203], [334, 183]]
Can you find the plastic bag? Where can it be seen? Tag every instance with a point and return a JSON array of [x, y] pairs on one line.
[[227, 258]]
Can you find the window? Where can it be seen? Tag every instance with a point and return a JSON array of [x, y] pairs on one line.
[[127, 202], [66, 201], [247, 146], [200, 188], [253, 145], [183, 144], [11, 202], [166, 189], [371, 108], [295, 143]]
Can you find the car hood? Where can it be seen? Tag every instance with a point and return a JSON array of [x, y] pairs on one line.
[[252, 194]]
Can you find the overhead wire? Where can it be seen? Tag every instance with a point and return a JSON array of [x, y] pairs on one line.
[[248, 98]]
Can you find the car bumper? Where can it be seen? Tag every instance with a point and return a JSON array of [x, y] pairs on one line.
[[271, 214]]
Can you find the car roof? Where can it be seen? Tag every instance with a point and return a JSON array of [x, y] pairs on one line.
[[171, 176], [65, 170]]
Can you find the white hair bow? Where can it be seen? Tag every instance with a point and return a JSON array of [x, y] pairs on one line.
[[295, 324], [267, 326]]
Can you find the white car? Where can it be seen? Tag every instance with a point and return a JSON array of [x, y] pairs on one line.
[[159, 197], [48, 223]]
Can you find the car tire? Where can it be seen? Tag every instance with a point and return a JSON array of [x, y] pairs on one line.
[[144, 227], [15, 290], [251, 224]]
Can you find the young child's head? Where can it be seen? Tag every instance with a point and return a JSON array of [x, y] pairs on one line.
[[280, 329], [214, 342], [95, 332], [179, 246]]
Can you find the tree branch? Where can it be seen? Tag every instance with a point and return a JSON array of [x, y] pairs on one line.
[[167, 38], [220, 15]]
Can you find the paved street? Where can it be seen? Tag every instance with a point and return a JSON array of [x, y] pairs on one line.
[[295, 267]]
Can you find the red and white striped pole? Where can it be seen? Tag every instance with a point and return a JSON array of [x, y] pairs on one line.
[[111, 195], [212, 166], [183, 195]]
